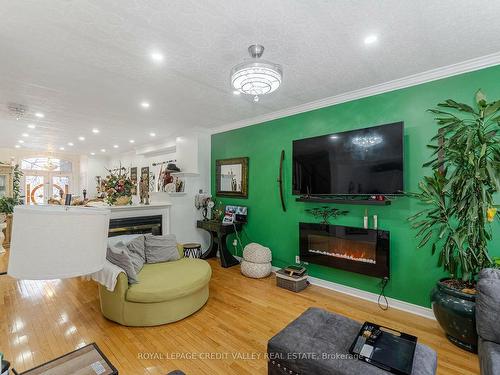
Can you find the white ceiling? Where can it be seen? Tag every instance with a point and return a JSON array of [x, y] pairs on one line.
[[87, 64]]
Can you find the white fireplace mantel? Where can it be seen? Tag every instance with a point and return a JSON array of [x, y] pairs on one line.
[[137, 210]]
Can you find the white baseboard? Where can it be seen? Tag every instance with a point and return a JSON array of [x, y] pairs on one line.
[[372, 297]]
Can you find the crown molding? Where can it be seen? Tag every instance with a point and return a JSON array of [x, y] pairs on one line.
[[413, 80]]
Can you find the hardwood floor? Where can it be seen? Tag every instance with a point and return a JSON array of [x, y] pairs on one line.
[[41, 320]]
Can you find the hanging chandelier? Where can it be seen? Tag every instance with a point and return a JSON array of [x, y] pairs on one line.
[[255, 76]]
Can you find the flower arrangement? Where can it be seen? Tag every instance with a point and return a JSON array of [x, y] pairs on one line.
[[118, 187]]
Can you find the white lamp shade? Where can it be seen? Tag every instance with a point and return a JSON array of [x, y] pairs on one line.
[[57, 242]]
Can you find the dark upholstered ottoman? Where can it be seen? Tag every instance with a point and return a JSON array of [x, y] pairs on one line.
[[316, 341]]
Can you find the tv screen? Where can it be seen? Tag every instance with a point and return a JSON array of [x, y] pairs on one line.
[[357, 162]]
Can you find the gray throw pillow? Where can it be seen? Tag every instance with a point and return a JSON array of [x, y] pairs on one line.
[[161, 248], [119, 255], [137, 246]]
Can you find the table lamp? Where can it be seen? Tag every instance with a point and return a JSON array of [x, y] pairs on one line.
[[57, 242]]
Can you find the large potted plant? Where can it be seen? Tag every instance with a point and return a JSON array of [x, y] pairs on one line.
[[457, 220]]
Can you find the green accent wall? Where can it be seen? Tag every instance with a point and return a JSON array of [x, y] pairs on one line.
[[413, 271]]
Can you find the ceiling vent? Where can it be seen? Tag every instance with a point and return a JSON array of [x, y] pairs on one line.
[[17, 110]]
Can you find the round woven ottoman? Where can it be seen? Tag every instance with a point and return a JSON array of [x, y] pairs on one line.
[[256, 261]]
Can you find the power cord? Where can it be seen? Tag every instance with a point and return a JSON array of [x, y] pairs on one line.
[[383, 284], [238, 238]]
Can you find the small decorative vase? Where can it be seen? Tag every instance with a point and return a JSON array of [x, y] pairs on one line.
[[123, 200]]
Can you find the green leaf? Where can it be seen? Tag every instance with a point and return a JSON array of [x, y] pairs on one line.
[[492, 108], [483, 150], [425, 239]]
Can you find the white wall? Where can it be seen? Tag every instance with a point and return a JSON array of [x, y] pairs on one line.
[[192, 152], [90, 167]]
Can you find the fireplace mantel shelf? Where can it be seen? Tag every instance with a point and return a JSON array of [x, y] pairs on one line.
[[139, 207]]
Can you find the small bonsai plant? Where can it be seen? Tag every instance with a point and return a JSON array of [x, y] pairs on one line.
[[459, 192], [326, 213]]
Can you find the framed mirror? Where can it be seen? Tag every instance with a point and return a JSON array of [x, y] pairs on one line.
[[232, 177]]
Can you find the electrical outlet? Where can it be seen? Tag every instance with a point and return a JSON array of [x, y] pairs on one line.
[[235, 242], [297, 259]]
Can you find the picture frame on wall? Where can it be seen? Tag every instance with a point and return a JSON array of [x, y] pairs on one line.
[[133, 177], [232, 177]]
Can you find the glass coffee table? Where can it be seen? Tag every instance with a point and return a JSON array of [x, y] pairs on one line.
[[88, 360]]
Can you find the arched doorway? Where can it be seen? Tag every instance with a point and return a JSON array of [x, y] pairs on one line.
[[45, 177]]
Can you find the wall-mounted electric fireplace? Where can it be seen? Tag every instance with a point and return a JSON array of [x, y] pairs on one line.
[[364, 251]]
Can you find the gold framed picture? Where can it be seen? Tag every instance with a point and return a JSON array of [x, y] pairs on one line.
[[232, 177]]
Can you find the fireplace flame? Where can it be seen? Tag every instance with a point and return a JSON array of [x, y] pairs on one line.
[[361, 258]]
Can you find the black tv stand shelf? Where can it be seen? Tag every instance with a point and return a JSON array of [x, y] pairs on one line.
[[371, 202]]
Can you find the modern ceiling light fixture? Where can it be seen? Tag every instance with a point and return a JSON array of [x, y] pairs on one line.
[[31, 126], [256, 76], [39, 115], [370, 39], [145, 105], [95, 131], [157, 56], [81, 138]]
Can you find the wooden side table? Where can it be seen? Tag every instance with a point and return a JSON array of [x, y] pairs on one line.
[[218, 234]]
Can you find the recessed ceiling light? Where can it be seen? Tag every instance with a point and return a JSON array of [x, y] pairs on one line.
[[157, 56], [115, 146], [61, 148], [370, 39], [145, 105], [31, 126], [152, 134], [236, 92], [92, 153], [95, 131], [25, 135], [81, 138], [71, 144], [132, 141], [20, 141], [17, 146], [103, 150], [39, 115]]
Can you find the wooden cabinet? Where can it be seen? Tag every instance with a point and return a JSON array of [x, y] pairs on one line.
[[6, 180], [6, 190]]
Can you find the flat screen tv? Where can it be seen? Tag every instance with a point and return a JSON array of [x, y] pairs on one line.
[[358, 162]]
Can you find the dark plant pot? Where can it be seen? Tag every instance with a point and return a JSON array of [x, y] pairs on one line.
[[456, 314]]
